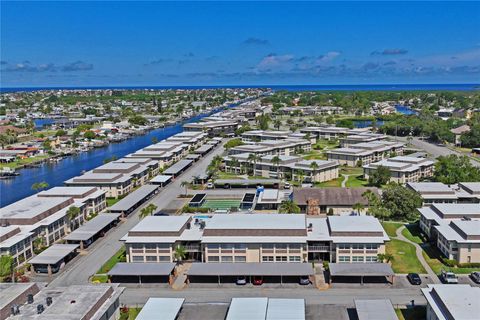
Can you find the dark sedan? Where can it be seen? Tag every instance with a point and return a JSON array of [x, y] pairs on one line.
[[414, 279]]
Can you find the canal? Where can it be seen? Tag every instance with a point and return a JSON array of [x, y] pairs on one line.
[[55, 174]]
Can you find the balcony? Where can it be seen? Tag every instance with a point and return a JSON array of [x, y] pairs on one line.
[[318, 248]]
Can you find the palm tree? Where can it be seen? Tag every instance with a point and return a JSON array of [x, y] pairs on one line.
[[288, 206], [276, 162], [277, 124], [385, 257], [72, 213], [358, 207], [180, 254], [37, 186], [235, 164], [147, 211], [185, 184], [252, 159], [300, 175]]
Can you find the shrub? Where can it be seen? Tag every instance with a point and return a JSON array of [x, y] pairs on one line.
[[449, 262], [469, 265], [330, 212], [325, 265]]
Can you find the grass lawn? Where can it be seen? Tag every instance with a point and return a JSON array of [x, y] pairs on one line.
[[314, 155], [433, 257], [405, 259], [351, 170], [99, 278], [131, 315], [412, 232], [117, 257], [415, 313], [332, 183], [112, 201], [325, 144], [355, 182], [391, 228], [21, 162], [225, 175]]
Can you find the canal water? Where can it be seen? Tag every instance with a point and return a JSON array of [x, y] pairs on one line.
[[55, 174]]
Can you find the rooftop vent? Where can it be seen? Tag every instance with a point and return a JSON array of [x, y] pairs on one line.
[[49, 301], [310, 227]]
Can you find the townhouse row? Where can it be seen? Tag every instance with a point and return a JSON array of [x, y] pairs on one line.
[[437, 192], [403, 169], [256, 238]]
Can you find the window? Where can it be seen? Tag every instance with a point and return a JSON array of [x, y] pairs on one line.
[[357, 259], [227, 259], [267, 246], [371, 259], [469, 248], [295, 246], [294, 259], [267, 259], [137, 246], [240, 259], [343, 246], [150, 246], [164, 258], [151, 259], [213, 246], [137, 259], [213, 259], [281, 259], [240, 246], [371, 246], [344, 259], [357, 246], [281, 246], [228, 246]]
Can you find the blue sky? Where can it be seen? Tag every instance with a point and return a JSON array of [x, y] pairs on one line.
[[231, 43]]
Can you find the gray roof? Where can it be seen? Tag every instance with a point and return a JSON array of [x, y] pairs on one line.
[[92, 227], [133, 198], [360, 269], [177, 167], [161, 308], [286, 309], [54, 254], [380, 309], [160, 179], [245, 269], [141, 269], [246, 181], [332, 196], [203, 149], [453, 302], [247, 308]]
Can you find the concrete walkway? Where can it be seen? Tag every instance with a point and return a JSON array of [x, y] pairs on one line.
[[345, 179], [418, 251]]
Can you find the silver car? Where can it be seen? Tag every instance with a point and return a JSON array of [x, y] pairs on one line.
[[241, 281]]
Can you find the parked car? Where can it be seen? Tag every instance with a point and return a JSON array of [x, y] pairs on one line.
[[448, 277], [210, 185], [241, 281], [475, 276], [414, 279], [304, 280], [160, 214], [257, 281], [286, 185]]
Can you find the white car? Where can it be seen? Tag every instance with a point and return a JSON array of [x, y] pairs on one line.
[[286, 185], [210, 185], [449, 277]]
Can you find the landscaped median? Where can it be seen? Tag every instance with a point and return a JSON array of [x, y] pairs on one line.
[[101, 275]]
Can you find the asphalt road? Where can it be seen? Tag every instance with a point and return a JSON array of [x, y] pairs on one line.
[[434, 149], [82, 267]]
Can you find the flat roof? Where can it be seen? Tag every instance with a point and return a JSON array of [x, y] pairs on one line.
[[354, 224], [431, 187], [67, 191], [252, 268], [247, 181], [134, 198], [360, 269], [286, 309], [160, 179], [141, 269], [161, 308], [375, 309], [247, 308], [177, 167], [161, 223], [92, 227], [11, 291], [30, 207], [453, 302], [257, 221], [54, 254]]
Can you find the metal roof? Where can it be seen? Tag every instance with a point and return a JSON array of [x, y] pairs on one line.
[[54, 254], [141, 269], [161, 308], [257, 221], [134, 198], [380, 309], [246, 181], [452, 302], [177, 167], [360, 269], [160, 179], [246, 269], [247, 308], [286, 309], [92, 227]]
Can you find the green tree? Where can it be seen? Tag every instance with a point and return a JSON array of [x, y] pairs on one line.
[[375, 207], [60, 133], [276, 162], [72, 213], [185, 184], [6, 265], [288, 206], [138, 120], [147, 211], [379, 177], [358, 207], [89, 134], [252, 159], [471, 139], [314, 167], [180, 254], [452, 169], [37, 186], [401, 202], [233, 143], [277, 124]]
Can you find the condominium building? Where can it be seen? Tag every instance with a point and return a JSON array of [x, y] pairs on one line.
[[332, 133], [192, 139], [365, 153], [256, 238], [288, 167], [454, 228], [213, 128], [261, 135], [403, 169], [166, 153], [366, 137], [285, 147], [437, 192], [446, 302], [94, 198]]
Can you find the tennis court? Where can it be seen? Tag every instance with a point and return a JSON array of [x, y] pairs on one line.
[[221, 204]]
